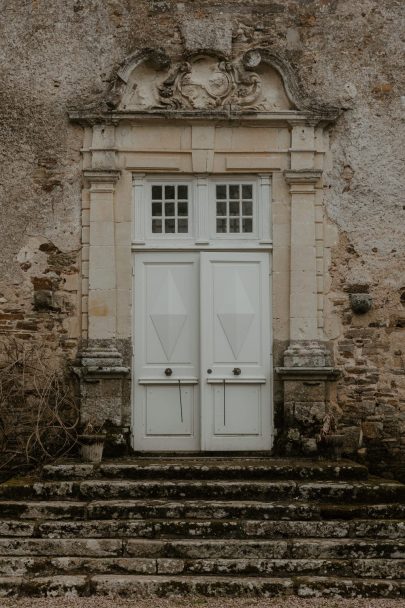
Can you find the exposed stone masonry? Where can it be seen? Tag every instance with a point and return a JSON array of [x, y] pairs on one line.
[[57, 56]]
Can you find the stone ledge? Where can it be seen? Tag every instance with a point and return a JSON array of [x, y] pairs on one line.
[[96, 372], [308, 373], [302, 176], [102, 175]]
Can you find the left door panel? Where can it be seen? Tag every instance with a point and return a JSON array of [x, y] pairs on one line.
[[166, 357]]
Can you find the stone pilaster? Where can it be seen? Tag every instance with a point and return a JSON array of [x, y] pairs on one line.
[[303, 288], [307, 368], [102, 272], [101, 368]]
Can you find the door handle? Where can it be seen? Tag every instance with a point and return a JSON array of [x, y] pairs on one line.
[[168, 371], [236, 371]]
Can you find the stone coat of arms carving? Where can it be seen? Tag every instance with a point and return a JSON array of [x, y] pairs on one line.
[[204, 82], [207, 82]]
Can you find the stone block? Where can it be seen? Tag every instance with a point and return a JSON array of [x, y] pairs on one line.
[[308, 417], [371, 430], [55, 586], [101, 233], [102, 209], [207, 34], [301, 391]]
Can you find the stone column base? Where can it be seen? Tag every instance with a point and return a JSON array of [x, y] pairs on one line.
[[306, 375], [101, 373]]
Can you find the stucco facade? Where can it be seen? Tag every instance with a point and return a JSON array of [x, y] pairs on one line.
[[95, 101]]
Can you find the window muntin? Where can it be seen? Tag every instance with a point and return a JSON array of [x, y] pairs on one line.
[[170, 209], [234, 208], [184, 211]]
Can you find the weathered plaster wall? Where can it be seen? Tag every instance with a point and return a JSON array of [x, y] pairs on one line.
[[54, 55]]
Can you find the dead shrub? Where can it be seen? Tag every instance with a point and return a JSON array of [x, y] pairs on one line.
[[39, 414]]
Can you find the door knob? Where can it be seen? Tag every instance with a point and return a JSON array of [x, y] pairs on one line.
[[236, 371], [168, 371], [209, 371]]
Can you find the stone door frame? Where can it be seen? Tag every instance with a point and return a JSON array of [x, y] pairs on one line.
[[291, 145]]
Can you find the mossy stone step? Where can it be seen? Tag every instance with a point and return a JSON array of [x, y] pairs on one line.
[[230, 526], [54, 566], [209, 468], [203, 528], [193, 509], [135, 586], [310, 548], [371, 491]]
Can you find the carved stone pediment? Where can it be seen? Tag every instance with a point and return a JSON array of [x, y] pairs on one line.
[[206, 82], [256, 81]]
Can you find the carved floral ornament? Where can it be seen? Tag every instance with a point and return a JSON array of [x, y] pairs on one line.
[[256, 81]]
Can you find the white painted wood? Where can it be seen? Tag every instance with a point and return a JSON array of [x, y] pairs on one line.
[[166, 335], [174, 240], [174, 275], [264, 205], [202, 214], [203, 209], [235, 333], [238, 240], [139, 215]]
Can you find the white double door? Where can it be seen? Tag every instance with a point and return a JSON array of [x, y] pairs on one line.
[[202, 351]]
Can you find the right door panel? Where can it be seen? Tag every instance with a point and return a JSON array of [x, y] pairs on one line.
[[236, 351]]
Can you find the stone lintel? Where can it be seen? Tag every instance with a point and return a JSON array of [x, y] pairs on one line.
[[200, 116], [302, 176], [207, 34]]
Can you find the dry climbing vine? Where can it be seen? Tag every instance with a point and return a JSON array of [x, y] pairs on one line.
[[38, 410]]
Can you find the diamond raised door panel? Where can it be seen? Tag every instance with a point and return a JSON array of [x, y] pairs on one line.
[[236, 347], [166, 337]]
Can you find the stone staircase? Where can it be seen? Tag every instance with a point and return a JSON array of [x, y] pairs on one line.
[[229, 525]]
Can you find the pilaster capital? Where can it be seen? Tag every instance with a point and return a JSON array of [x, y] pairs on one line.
[[97, 362], [265, 179], [101, 176], [138, 179], [306, 353], [302, 176]]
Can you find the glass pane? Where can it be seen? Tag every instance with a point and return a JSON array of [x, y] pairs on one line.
[[234, 191], [169, 209], [234, 208], [182, 225], [221, 208], [156, 226], [157, 192], [156, 209], [247, 225], [169, 192], [247, 191], [182, 208], [221, 191], [169, 226], [234, 225], [182, 192], [221, 225], [247, 208]]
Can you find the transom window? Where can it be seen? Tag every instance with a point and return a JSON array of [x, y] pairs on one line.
[[234, 208], [170, 209], [198, 211]]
